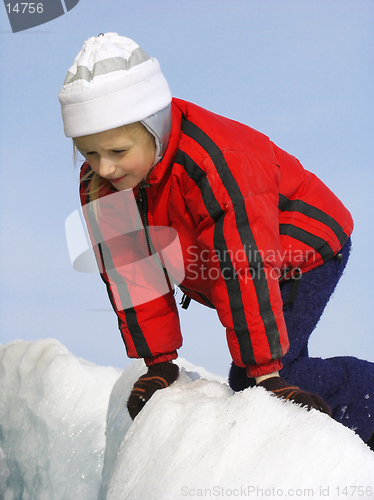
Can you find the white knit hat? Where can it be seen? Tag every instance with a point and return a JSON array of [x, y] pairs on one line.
[[113, 82]]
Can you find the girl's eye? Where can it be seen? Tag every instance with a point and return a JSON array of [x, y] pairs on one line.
[[119, 150]]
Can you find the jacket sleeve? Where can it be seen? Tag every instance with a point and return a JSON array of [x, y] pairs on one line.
[[140, 295], [239, 227]]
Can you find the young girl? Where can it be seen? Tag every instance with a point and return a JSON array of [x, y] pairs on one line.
[[251, 233]]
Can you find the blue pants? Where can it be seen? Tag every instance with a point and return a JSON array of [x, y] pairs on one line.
[[345, 383]]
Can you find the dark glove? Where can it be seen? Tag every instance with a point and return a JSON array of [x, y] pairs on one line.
[[282, 389], [157, 377]]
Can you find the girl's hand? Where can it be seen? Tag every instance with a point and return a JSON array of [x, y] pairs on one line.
[[158, 376], [283, 390]]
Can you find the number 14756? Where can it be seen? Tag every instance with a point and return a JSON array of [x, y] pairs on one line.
[[22, 8]]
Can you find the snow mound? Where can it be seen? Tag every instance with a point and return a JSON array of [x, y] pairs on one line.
[[198, 438], [65, 434], [118, 419], [52, 422]]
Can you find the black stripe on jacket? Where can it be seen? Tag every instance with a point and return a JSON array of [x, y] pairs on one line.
[[318, 244], [217, 214], [313, 241], [246, 236], [133, 326]]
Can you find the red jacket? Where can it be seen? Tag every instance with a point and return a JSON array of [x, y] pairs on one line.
[[246, 214]]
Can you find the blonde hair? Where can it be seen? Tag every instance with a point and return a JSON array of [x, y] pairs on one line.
[[95, 182]]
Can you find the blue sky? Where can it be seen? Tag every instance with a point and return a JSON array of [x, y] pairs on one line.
[[300, 71]]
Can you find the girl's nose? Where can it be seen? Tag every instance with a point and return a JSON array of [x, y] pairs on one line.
[[106, 167]]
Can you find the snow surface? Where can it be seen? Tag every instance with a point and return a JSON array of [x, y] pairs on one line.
[[52, 415], [65, 434]]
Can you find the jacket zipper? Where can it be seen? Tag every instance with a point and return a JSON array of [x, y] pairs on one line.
[[143, 200]]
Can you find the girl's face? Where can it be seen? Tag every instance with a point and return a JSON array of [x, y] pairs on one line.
[[121, 157]]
